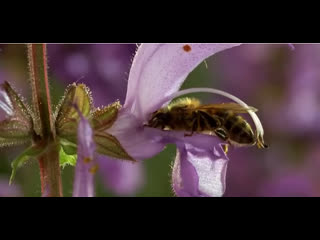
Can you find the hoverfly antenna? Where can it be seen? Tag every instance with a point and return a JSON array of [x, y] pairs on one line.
[[253, 115]]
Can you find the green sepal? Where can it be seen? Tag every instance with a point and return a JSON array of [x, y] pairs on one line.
[[67, 117], [103, 119], [108, 145], [19, 106], [8, 142], [14, 129], [67, 159], [18, 126], [68, 130], [32, 151]]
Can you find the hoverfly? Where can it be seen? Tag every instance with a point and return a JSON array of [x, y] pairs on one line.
[[222, 120]]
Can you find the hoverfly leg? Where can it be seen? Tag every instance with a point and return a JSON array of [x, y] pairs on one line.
[[225, 148], [213, 120], [194, 129], [189, 134]]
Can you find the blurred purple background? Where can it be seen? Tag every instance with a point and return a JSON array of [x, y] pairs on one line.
[[283, 84]]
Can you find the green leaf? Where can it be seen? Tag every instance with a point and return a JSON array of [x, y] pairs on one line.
[[66, 159], [104, 118], [69, 148], [32, 151], [108, 145]]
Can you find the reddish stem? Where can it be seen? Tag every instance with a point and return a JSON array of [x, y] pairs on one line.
[[42, 173], [50, 175]]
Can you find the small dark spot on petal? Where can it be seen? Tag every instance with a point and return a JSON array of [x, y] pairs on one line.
[[187, 48], [93, 169], [87, 160]]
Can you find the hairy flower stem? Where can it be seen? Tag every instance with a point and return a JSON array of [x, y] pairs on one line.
[[44, 123]]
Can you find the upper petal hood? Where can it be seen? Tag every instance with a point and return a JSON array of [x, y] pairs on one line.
[[159, 70]]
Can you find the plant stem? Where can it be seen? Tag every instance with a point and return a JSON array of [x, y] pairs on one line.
[[44, 124], [50, 172]]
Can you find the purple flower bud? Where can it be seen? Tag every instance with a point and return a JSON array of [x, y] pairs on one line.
[[86, 166]]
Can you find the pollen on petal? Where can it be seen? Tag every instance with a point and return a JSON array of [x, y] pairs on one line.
[[87, 159], [93, 169], [187, 48]]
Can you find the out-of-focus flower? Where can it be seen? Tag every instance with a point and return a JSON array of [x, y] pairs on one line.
[[288, 185], [157, 73], [300, 180], [260, 75], [312, 164], [122, 177], [102, 67], [253, 68], [7, 190], [301, 108], [246, 173]]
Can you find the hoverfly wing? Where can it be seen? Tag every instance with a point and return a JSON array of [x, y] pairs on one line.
[[235, 107]]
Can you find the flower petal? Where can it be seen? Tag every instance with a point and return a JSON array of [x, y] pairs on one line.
[[159, 70], [145, 142], [133, 137], [85, 167], [199, 172], [291, 46], [124, 178]]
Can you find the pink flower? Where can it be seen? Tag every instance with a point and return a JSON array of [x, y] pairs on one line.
[[157, 73]]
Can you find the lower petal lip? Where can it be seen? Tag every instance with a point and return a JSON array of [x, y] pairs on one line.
[[199, 172], [197, 140]]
